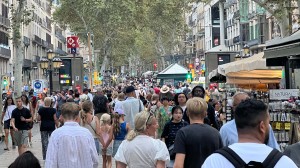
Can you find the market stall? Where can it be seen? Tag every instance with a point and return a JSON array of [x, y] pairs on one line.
[[172, 75]]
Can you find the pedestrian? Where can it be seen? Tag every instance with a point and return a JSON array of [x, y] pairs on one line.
[[164, 115], [9, 106], [180, 99], [140, 149], [26, 160], [47, 117], [131, 106], [119, 102], [27, 104], [107, 134], [198, 91], [252, 121], [19, 120], [170, 130], [195, 142], [120, 129], [71, 145], [100, 105], [229, 132], [76, 98], [91, 122], [292, 151]]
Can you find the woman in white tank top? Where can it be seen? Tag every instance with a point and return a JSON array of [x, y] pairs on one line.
[[91, 122]]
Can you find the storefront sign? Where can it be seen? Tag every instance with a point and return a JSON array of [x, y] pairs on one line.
[[283, 94]]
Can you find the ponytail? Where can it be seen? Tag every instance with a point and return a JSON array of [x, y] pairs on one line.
[[83, 117], [131, 135], [116, 124]]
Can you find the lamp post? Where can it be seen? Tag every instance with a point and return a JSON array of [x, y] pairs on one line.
[[246, 49], [49, 63], [237, 57]]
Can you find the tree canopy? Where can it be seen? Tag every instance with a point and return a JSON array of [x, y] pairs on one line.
[[146, 29]]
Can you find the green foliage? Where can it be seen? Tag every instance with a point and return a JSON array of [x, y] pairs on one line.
[[126, 28], [20, 14]]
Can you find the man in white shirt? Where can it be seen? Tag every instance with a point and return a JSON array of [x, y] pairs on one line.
[[71, 145], [252, 122], [131, 106]]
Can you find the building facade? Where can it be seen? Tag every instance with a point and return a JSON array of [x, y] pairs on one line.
[[5, 49]]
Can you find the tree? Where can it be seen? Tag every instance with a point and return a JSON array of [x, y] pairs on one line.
[[20, 14]]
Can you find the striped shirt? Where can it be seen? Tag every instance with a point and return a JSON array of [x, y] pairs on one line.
[[71, 146]]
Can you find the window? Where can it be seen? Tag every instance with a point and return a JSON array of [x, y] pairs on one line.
[[3, 38]]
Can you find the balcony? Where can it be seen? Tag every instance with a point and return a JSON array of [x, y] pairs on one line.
[[5, 53], [5, 22], [236, 39], [60, 37], [60, 52], [26, 64], [36, 59], [45, 44], [26, 41], [37, 40], [236, 14]]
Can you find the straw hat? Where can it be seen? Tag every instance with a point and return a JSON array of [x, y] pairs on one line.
[[164, 89]]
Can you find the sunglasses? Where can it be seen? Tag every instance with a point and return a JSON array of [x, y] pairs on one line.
[[150, 114]]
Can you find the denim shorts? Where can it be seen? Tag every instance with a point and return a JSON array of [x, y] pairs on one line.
[[7, 124], [116, 145]]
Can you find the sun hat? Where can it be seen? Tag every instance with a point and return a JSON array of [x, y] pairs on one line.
[[164, 89]]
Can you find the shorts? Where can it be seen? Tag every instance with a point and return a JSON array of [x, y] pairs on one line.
[[21, 137], [109, 150], [7, 124], [116, 145]]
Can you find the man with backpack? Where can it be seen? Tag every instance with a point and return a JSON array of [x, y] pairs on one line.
[[252, 122]]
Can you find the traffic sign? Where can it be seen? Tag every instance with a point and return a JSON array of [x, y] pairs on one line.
[[73, 42], [38, 86], [73, 50], [12, 78]]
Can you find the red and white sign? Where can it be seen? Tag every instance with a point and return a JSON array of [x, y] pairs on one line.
[[73, 42]]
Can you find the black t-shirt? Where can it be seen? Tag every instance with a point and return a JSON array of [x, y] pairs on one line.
[[17, 114], [197, 142], [47, 120], [210, 119], [170, 130]]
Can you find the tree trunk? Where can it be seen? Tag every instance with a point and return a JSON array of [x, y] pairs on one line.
[[18, 46]]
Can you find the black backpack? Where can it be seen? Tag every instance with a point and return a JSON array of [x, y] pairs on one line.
[[237, 162]]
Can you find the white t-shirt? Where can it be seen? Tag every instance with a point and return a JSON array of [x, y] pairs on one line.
[[8, 112], [135, 154], [248, 152]]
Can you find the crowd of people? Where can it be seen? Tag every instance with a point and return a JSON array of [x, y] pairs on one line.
[[139, 126]]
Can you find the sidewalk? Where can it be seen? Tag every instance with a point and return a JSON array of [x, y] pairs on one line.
[[7, 157]]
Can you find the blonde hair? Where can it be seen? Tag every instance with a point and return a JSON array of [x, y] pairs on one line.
[[121, 96], [47, 101], [140, 124], [86, 107], [196, 107], [155, 97], [83, 97], [105, 119]]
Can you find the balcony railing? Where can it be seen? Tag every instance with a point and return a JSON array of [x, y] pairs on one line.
[[45, 44], [27, 63], [36, 59], [4, 22], [60, 37], [26, 41], [37, 40], [6, 53]]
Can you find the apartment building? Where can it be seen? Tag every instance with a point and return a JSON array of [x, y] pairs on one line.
[[39, 37], [5, 50]]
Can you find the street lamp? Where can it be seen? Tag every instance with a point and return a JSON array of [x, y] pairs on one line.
[[246, 49], [47, 64], [85, 64], [237, 57]]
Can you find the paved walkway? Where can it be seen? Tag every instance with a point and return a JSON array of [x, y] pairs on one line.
[[7, 157]]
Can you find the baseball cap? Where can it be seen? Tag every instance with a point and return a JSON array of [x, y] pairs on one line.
[[129, 89], [120, 111]]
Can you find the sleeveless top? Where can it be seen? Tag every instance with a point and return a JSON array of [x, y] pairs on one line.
[[91, 127], [121, 135], [105, 136]]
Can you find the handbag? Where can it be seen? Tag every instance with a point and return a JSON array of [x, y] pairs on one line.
[[171, 152]]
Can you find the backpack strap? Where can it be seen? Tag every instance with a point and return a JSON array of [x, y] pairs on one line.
[[231, 156], [272, 159]]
